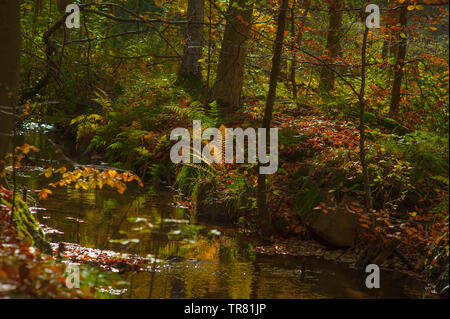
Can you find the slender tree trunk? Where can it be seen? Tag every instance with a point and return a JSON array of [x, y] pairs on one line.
[[190, 66], [385, 49], [62, 4], [296, 42], [293, 58], [9, 68], [263, 210], [371, 250], [386, 34], [230, 71], [400, 62], [333, 45], [362, 137]]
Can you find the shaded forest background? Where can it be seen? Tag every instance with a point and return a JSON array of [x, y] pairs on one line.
[[363, 113]]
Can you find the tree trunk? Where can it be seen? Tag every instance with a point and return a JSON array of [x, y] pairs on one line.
[[263, 210], [230, 71], [190, 66], [388, 21], [293, 62], [362, 137], [296, 42], [62, 4], [9, 66], [385, 49], [333, 46], [400, 62]]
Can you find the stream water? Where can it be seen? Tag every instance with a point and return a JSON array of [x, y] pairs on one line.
[[189, 262]]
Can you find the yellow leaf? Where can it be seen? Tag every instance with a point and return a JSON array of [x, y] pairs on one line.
[[110, 183], [112, 173], [61, 170], [84, 185], [34, 148], [48, 172], [44, 193], [139, 181], [25, 148], [121, 187]]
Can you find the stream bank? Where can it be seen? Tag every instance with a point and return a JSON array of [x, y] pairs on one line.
[[151, 244]]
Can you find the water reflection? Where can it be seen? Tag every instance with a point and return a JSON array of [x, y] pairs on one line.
[[196, 263], [201, 266]]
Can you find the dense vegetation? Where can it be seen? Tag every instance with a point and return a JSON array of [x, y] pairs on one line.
[[362, 113]]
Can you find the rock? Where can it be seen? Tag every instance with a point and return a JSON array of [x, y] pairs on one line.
[[207, 208], [337, 227]]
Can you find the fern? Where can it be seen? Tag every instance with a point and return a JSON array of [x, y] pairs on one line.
[[189, 175], [103, 99], [142, 151], [196, 111], [161, 142], [214, 112], [116, 146], [87, 124]]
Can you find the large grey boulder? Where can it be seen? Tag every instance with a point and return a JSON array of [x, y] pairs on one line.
[[336, 226]]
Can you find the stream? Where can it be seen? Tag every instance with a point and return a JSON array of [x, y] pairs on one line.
[[189, 260]]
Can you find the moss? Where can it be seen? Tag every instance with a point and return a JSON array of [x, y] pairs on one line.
[[369, 117], [388, 123], [27, 226], [307, 198], [393, 125]]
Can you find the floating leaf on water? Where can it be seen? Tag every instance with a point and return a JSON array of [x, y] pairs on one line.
[[113, 291], [137, 219], [124, 241], [179, 221], [215, 232]]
